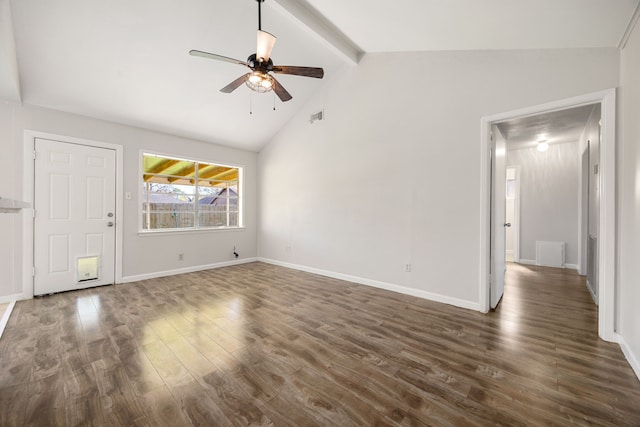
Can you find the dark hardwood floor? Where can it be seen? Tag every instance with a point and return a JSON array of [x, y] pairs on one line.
[[257, 344]]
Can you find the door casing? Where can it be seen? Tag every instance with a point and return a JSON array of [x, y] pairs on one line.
[[607, 176], [498, 199]]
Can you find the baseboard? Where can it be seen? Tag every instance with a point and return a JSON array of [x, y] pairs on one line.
[[5, 317], [593, 295], [533, 262], [377, 284], [14, 297], [631, 358], [156, 274]]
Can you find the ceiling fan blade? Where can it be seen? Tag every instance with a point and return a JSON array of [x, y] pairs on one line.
[[315, 72], [216, 57], [281, 91], [235, 84], [264, 45]]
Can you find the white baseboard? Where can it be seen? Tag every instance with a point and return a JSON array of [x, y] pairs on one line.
[[377, 284], [593, 296], [156, 274], [14, 297], [631, 358], [5, 317], [533, 262]]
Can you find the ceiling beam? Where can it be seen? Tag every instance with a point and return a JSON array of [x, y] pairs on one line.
[[322, 27]]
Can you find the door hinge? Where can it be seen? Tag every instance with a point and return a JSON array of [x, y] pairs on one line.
[[33, 271], [34, 154], [34, 213]]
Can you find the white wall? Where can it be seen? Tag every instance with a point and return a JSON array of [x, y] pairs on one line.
[[629, 201], [10, 224], [143, 255], [549, 198], [392, 176]]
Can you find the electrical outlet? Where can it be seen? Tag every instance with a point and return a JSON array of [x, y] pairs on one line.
[[407, 268], [180, 256]]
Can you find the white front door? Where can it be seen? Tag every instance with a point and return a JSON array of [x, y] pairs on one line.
[[74, 225], [498, 192]]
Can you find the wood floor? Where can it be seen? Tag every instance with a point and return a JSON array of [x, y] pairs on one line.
[[257, 344]]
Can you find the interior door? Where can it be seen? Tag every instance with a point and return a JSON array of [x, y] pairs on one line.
[[74, 225], [498, 205]]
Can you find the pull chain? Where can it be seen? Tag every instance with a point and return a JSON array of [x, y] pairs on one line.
[[251, 103], [274, 101]]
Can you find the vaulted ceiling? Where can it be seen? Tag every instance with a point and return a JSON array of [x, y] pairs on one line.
[[127, 61]]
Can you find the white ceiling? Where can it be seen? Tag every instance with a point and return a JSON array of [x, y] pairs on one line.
[[127, 61], [554, 127], [417, 25]]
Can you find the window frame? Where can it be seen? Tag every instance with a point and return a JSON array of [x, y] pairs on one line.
[[197, 228]]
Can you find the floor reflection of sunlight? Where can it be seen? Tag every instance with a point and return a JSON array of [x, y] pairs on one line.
[[511, 308], [88, 309], [218, 326]]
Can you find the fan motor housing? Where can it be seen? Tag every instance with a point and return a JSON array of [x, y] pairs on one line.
[[254, 64]]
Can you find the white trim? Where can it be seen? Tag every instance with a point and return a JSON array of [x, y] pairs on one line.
[[607, 225], [28, 184], [156, 274], [631, 358], [583, 211], [167, 155], [5, 316], [590, 289], [533, 262], [606, 262], [377, 284], [13, 297]]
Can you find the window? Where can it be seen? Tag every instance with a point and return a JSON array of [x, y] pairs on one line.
[[180, 194]]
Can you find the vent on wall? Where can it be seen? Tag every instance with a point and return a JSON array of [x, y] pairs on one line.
[[550, 254]]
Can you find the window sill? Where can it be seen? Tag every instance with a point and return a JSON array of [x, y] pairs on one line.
[[171, 231]]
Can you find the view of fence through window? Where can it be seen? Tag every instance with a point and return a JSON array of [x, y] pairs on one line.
[[187, 194]]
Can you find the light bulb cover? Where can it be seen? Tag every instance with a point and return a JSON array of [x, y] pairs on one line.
[[542, 147], [260, 81]]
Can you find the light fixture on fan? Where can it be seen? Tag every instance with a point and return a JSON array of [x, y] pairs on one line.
[[542, 145], [259, 81]]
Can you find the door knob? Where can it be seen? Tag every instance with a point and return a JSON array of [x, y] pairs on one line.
[[110, 224], [507, 224]]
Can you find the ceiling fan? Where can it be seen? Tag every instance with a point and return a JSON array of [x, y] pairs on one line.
[[260, 63]]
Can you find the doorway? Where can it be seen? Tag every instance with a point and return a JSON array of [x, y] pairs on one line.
[[606, 179], [74, 240], [512, 215]]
